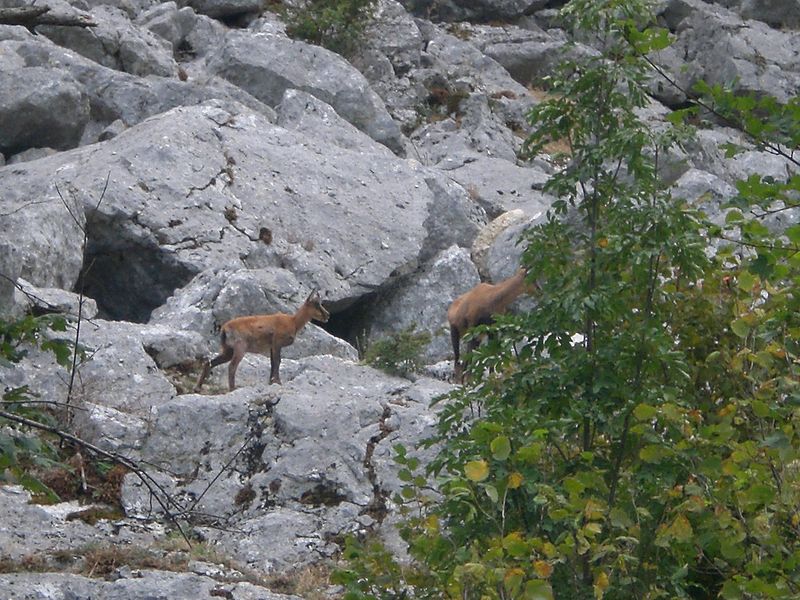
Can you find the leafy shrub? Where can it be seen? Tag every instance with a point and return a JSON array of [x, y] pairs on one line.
[[337, 25], [25, 453], [399, 353]]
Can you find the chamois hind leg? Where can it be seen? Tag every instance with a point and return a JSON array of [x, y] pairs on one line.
[[455, 337], [274, 366], [238, 351], [224, 357]]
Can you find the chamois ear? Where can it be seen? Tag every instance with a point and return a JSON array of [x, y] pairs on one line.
[[313, 296]]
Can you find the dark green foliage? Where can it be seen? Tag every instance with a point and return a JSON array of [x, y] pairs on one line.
[[399, 353], [337, 25], [24, 453]]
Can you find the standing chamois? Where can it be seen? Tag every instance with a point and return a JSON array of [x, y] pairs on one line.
[[478, 307], [262, 334]]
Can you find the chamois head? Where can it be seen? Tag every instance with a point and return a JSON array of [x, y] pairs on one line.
[[314, 303]]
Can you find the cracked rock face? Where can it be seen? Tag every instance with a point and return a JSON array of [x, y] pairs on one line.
[[288, 469]]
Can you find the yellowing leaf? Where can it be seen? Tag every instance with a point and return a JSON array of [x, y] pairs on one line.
[[514, 480], [432, 524], [476, 470], [680, 529], [600, 585], [593, 510], [513, 579], [515, 545], [543, 568]]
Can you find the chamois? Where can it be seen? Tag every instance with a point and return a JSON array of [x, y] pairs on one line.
[[262, 334], [477, 307]]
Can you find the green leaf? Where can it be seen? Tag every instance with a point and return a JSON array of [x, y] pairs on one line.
[[500, 447], [515, 545], [653, 453], [740, 327], [645, 412], [538, 589]]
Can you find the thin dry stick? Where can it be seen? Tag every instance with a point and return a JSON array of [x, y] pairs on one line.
[[84, 227], [221, 471]]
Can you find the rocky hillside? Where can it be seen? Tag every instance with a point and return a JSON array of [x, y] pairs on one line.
[[186, 163]]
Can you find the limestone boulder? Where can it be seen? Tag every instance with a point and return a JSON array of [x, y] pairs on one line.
[[292, 465], [267, 64], [225, 9], [716, 46], [181, 182], [117, 43], [500, 186], [42, 237], [112, 95], [41, 107]]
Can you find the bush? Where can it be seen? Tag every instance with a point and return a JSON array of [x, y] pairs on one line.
[[400, 353], [337, 25]]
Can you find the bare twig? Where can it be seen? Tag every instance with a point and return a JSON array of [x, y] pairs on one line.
[[81, 283]]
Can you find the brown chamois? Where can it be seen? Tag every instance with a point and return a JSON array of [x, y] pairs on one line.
[[478, 307], [262, 334]]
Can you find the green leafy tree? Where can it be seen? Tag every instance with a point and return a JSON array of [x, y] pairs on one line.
[[636, 435]]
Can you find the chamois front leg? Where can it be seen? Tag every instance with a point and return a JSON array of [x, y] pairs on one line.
[[275, 365], [238, 352], [224, 357], [455, 337]]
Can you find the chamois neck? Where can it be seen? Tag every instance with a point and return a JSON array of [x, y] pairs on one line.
[[508, 290], [302, 317]]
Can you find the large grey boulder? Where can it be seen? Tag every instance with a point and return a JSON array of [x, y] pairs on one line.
[[267, 64], [112, 95], [780, 14], [714, 44], [185, 180], [472, 10], [225, 9], [528, 54], [49, 254], [475, 131], [499, 186], [291, 466], [40, 107], [131, 585], [170, 23], [117, 43]]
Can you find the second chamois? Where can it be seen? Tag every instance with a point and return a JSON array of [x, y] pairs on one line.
[[478, 307], [262, 334]]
